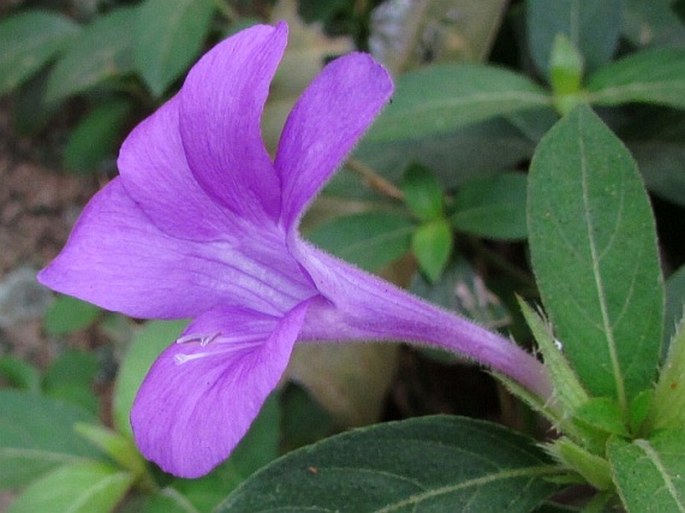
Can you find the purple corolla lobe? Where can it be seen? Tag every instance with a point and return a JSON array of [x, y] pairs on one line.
[[202, 224]]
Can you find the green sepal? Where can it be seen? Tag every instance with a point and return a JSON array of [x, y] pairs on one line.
[[568, 390], [422, 193], [594, 469]]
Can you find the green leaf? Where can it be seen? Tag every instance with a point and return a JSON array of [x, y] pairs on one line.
[[432, 244], [70, 378], [441, 98], [36, 435], [422, 192], [68, 314], [493, 207], [97, 136], [73, 366], [668, 403], [593, 250], [120, 448], [603, 414], [594, 469], [168, 36], [370, 240], [455, 157], [654, 23], [146, 345], [650, 474], [28, 41], [101, 52], [86, 487], [304, 421], [19, 373], [427, 464], [166, 500], [592, 27], [650, 76], [656, 138]]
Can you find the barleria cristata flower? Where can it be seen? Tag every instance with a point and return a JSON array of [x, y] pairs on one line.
[[202, 224]]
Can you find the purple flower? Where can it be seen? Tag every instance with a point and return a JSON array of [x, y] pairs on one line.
[[202, 224]]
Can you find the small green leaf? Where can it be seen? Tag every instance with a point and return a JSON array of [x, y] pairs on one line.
[[432, 244], [640, 408], [602, 414], [592, 27], [422, 192], [70, 378], [146, 345], [441, 98], [71, 367], [650, 76], [566, 66], [28, 41], [428, 464], [85, 487], [168, 36], [99, 53], [370, 240], [19, 373], [650, 474], [68, 314], [97, 136], [594, 469], [668, 404], [588, 210], [566, 74], [36, 435], [493, 207]]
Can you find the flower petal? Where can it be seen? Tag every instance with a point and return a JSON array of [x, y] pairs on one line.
[[221, 106], [117, 259], [327, 121], [200, 396], [153, 167]]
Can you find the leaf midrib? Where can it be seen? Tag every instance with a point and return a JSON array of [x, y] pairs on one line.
[[536, 471], [599, 283], [653, 456]]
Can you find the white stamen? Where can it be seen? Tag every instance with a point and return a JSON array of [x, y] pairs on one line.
[[183, 358], [230, 347], [203, 339]]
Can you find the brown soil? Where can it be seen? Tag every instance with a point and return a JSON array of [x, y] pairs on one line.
[[38, 205]]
